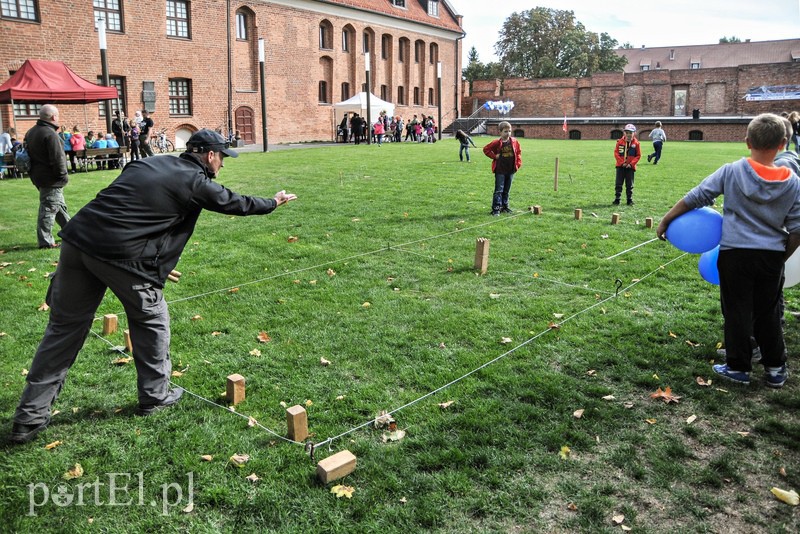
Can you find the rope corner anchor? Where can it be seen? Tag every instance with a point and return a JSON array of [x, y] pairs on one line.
[[618, 284]]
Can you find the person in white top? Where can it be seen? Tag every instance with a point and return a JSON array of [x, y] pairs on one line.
[[659, 137]]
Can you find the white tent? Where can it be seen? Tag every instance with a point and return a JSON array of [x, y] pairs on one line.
[[358, 104]]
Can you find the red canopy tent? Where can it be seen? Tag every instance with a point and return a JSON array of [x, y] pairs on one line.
[[48, 82]]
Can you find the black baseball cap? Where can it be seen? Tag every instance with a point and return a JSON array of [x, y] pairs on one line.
[[205, 140]]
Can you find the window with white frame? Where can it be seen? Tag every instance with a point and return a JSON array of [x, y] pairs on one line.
[[19, 9], [433, 8], [111, 11], [180, 96], [118, 82], [178, 19]]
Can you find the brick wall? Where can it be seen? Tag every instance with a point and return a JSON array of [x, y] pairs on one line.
[[293, 65], [718, 92]]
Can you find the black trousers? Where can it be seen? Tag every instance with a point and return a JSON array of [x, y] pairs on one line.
[[750, 289], [624, 175]]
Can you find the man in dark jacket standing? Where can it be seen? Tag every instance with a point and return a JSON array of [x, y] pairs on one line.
[[128, 239], [48, 174]]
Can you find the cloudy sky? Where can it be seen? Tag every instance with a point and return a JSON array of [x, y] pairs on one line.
[[669, 23]]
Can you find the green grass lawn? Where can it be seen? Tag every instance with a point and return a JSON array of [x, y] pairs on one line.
[[372, 269]]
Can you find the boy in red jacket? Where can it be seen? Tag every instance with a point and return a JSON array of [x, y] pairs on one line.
[[506, 160], [627, 153]]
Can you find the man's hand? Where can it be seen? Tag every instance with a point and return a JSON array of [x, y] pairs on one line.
[[282, 197]]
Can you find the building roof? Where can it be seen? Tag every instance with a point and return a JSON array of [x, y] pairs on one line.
[[711, 55], [414, 10]]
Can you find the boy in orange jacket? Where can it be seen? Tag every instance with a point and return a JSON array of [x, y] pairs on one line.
[[627, 153], [506, 160]]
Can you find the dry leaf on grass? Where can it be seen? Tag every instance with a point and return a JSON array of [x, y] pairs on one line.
[[206, 457], [650, 421], [444, 405], [618, 519], [122, 361], [233, 290], [52, 445], [292, 239], [671, 334], [43, 307], [789, 497], [665, 395], [308, 403], [196, 318], [691, 419], [577, 414], [395, 435], [323, 362], [255, 352], [564, 452], [189, 508], [238, 460], [609, 397], [253, 478], [343, 491], [263, 337], [331, 272], [505, 340], [251, 421], [701, 382], [75, 472]]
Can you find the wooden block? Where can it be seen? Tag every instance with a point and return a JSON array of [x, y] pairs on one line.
[[337, 466], [109, 324], [648, 222], [128, 342], [614, 218], [235, 389], [482, 255], [578, 214], [172, 278], [176, 274], [297, 422], [537, 210]]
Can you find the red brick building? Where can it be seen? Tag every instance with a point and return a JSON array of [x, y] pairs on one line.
[[195, 63], [703, 92]]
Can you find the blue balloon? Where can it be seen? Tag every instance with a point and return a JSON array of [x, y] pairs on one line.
[[707, 265], [696, 231]]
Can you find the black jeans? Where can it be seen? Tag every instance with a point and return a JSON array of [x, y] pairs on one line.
[[750, 290], [624, 175]]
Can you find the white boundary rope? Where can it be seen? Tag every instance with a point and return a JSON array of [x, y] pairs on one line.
[[330, 440]]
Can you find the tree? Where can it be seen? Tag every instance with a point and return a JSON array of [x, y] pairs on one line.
[[475, 70], [731, 39], [550, 43]]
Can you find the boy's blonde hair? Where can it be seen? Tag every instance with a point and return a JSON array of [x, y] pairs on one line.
[[503, 125], [766, 132]]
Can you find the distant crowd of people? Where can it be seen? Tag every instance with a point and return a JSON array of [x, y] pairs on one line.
[[353, 128]]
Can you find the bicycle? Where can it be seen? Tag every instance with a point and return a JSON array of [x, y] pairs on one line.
[[160, 143]]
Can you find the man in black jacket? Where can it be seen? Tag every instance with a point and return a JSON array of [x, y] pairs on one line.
[[128, 239], [48, 173]]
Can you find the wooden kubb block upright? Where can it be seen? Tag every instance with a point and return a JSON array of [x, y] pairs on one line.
[[648, 222], [297, 423], [614, 218], [482, 255], [337, 466], [128, 342], [234, 392], [109, 324], [578, 214]]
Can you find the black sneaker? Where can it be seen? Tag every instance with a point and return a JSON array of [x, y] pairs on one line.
[[506, 209], [171, 399], [24, 433], [649, 157], [495, 213], [630, 203], [616, 202]]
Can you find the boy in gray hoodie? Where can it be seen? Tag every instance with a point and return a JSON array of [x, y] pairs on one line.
[[760, 230]]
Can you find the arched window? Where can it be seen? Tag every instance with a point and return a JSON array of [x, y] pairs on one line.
[[241, 25], [326, 35], [574, 134], [433, 55]]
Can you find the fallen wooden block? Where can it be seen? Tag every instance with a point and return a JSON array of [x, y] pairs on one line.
[[337, 466], [174, 276], [614, 218], [578, 214], [297, 423], [109, 324], [234, 390], [648, 222], [537, 210]]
